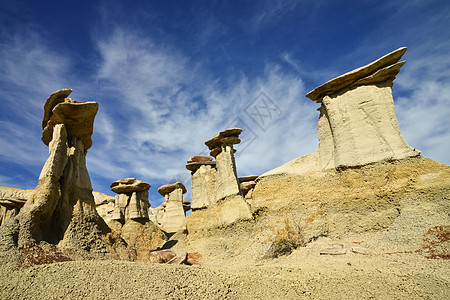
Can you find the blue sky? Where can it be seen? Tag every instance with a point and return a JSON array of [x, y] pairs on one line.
[[168, 75]]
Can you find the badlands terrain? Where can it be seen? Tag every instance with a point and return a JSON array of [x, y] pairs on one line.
[[364, 217]]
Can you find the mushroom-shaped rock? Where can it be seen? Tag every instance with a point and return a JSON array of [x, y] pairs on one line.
[[221, 146], [168, 188], [54, 99], [132, 199], [385, 66], [61, 209], [174, 211], [214, 142], [78, 117], [129, 185], [226, 137], [195, 162], [357, 123], [10, 203]]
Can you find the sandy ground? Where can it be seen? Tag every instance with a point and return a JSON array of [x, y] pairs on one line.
[[349, 276]]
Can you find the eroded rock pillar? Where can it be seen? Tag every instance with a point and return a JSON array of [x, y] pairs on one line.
[[174, 212], [131, 201], [62, 208], [203, 181], [221, 147]]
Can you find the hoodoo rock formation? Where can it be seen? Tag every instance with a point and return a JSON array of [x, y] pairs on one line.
[[61, 209], [357, 123], [221, 146], [174, 209], [130, 219], [218, 189], [365, 216], [203, 181], [131, 203]]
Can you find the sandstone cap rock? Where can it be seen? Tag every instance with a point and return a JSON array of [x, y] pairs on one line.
[[129, 185], [54, 99], [230, 132], [77, 116], [199, 159], [167, 188], [229, 135], [194, 162], [213, 142], [383, 68]]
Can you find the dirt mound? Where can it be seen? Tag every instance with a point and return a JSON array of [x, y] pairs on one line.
[[387, 206]]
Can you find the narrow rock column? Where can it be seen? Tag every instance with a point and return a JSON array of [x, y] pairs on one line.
[[174, 213], [203, 181], [131, 203], [221, 147]]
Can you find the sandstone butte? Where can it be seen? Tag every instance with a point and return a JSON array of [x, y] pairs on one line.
[[364, 216]]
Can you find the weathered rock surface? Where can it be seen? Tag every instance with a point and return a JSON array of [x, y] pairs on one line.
[[11, 201], [131, 203], [104, 205], [174, 211], [247, 186], [141, 238], [357, 123], [218, 190], [61, 209], [366, 71], [78, 117], [162, 256], [129, 185], [221, 146], [203, 186]]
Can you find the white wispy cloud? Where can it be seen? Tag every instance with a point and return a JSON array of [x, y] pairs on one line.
[[167, 112], [30, 69]]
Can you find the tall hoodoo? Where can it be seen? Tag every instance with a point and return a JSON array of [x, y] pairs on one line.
[[221, 146], [62, 208], [357, 123]]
